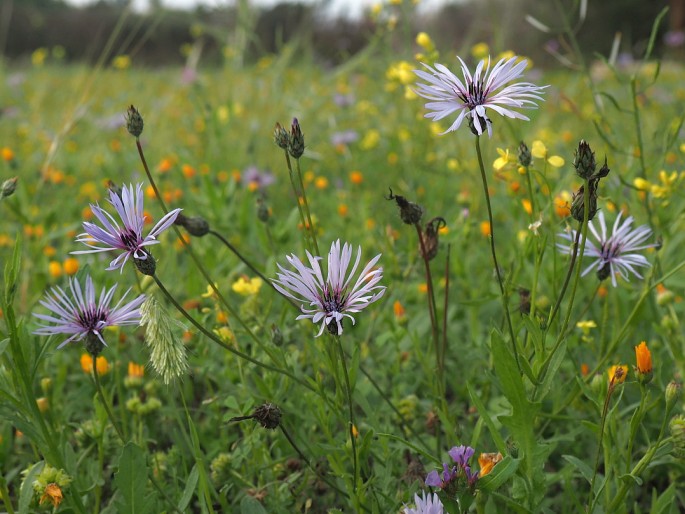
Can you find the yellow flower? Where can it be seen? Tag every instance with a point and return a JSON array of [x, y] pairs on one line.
[[642, 184], [55, 269], [617, 374], [136, 370], [70, 266], [503, 159], [370, 140], [121, 62], [424, 41], [538, 150], [247, 286], [585, 326], [556, 161], [210, 293], [38, 56], [480, 50]]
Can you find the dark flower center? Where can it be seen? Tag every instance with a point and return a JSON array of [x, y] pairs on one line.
[[91, 318], [333, 301], [129, 238]]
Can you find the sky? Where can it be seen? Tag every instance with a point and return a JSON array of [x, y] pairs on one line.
[[351, 8]]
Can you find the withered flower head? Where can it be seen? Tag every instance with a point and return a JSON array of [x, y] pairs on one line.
[[410, 212]]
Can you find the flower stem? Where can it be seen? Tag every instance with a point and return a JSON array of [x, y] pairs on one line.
[[351, 414], [605, 410], [502, 289], [432, 311], [312, 232], [105, 403], [298, 195]]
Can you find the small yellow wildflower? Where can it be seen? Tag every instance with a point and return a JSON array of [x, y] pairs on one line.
[[121, 62], [247, 286], [617, 374]]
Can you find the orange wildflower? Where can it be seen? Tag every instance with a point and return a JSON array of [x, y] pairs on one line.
[[100, 363], [487, 461], [70, 266], [617, 374], [485, 228], [356, 177], [643, 359], [135, 370], [52, 494]]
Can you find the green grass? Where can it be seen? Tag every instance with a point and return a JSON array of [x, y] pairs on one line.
[[200, 461]]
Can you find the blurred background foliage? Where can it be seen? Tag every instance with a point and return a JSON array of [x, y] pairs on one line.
[[166, 37]]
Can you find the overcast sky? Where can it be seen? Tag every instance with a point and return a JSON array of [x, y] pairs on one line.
[[349, 7]]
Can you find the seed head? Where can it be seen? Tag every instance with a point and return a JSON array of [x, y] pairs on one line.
[[167, 353], [268, 415], [410, 212]]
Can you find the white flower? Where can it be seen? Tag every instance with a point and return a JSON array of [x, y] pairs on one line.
[[477, 92], [430, 504], [615, 254], [335, 298]]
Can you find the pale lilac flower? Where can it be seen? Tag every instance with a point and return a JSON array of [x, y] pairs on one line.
[[423, 504], [613, 254], [81, 316], [471, 97], [333, 299], [129, 238]]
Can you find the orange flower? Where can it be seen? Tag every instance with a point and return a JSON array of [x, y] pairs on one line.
[[398, 309], [584, 369], [100, 363], [487, 461], [356, 177], [188, 171], [55, 269], [135, 370], [485, 228], [7, 154], [70, 266], [52, 494], [562, 205], [643, 358]]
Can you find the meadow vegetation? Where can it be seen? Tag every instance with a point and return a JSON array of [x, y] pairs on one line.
[[530, 387]]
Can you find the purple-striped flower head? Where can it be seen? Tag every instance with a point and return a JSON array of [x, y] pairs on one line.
[[339, 295], [614, 254], [470, 97], [127, 237], [425, 504], [80, 316], [434, 479], [461, 455]]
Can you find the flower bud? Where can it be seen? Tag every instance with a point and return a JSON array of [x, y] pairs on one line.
[[45, 384], [196, 225], [643, 367], [146, 266], [277, 336], [584, 160], [409, 212], [93, 345], [134, 122], [677, 429], [8, 188], [524, 156], [430, 237], [296, 142], [672, 394], [263, 213], [579, 199], [281, 136]]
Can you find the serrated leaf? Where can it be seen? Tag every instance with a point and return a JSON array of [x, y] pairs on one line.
[[130, 480], [582, 467], [249, 505]]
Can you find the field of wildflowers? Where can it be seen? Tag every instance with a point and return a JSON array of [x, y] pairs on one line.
[[416, 284]]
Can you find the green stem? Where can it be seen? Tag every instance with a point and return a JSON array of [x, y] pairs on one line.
[[312, 232], [5, 495], [296, 191], [105, 403], [351, 414], [432, 311], [502, 289]]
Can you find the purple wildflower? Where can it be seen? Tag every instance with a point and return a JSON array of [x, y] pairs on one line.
[[461, 455], [82, 317], [484, 89], [128, 238], [615, 254], [261, 179], [335, 298], [435, 480]]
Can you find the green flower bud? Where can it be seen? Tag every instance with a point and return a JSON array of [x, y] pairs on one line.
[[134, 122], [281, 136], [296, 143], [584, 160], [524, 156], [8, 188]]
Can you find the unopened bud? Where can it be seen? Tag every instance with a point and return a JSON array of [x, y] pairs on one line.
[[409, 212], [134, 122], [672, 394], [524, 156], [296, 143], [195, 225], [579, 199], [8, 188], [45, 384], [277, 336], [584, 160], [263, 213], [677, 429], [430, 237], [146, 266], [281, 136], [93, 345]]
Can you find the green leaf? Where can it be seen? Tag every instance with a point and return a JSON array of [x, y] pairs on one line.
[[551, 375], [664, 502], [485, 416], [191, 484], [581, 466], [249, 505], [26, 493], [12, 272], [502, 471], [130, 481]]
